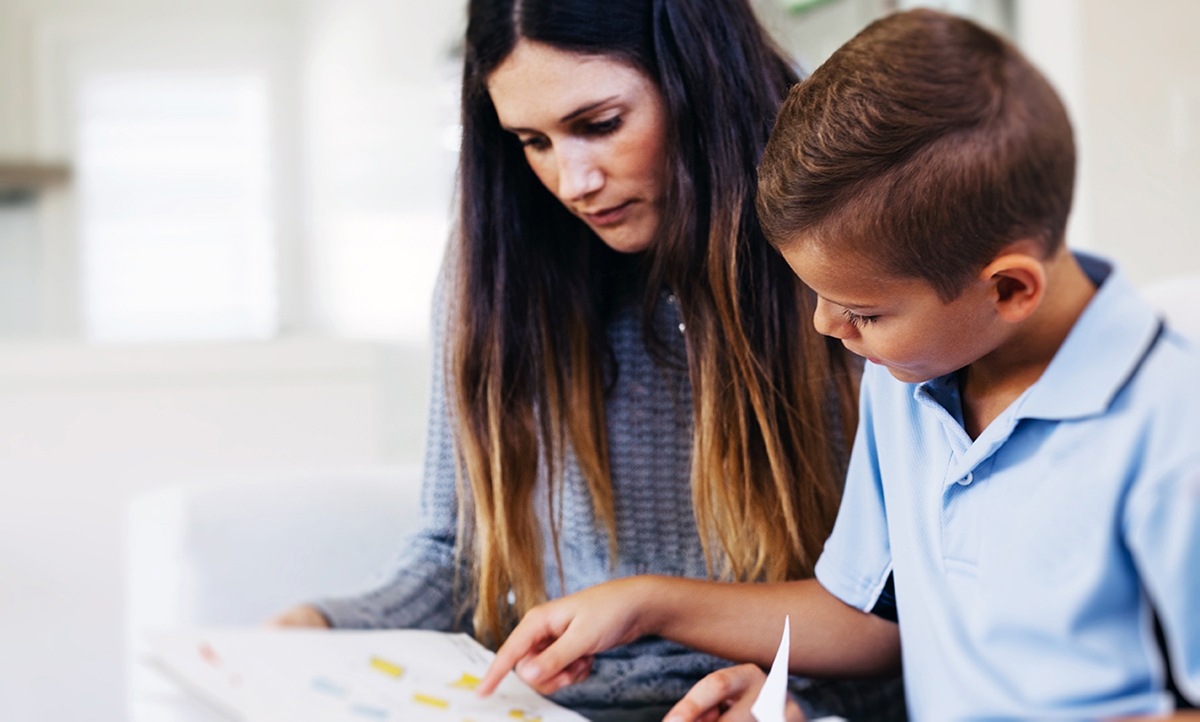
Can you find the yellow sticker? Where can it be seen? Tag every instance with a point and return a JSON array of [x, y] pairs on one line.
[[388, 668], [467, 681], [430, 700]]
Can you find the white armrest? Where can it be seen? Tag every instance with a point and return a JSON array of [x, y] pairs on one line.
[[236, 550]]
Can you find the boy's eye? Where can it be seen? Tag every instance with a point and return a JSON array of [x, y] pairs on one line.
[[858, 320]]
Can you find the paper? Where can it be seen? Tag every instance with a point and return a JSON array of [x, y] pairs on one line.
[[772, 698], [346, 676]]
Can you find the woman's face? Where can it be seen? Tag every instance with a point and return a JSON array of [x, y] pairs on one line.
[[594, 132]]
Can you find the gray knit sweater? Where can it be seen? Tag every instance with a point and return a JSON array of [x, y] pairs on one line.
[[649, 412]]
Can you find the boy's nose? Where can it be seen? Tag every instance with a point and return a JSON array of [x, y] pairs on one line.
[[830, 322]]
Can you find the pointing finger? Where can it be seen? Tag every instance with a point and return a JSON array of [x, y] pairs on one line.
[[532, 632]]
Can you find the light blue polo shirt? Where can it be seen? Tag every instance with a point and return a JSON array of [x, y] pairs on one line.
[[1027, 561]]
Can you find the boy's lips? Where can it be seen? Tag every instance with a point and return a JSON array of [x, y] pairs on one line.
[[609, 216], [856, 352]]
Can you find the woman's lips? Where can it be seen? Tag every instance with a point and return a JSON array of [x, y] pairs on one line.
[[609, 216]]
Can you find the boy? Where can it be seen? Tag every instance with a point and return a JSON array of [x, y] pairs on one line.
[[1026, 473]]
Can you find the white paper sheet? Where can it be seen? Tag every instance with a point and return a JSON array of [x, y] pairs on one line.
[[772, 698], [346, 676], [771, 704]]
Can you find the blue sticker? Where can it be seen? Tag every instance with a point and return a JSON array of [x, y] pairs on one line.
[[373, 712], [324, 686]]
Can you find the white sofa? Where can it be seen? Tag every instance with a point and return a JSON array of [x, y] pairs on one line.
[[235, 550]]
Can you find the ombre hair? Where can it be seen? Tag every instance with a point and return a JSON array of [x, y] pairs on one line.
[[534, 289]]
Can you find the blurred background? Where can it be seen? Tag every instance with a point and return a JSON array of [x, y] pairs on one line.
[[220, 225]]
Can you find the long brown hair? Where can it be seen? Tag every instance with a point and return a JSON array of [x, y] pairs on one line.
[[534, 289]]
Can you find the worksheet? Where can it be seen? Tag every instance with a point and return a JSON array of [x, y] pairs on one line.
[[263, 675]]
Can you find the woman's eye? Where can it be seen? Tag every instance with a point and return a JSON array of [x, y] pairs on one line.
[[858, 320], [604, 127], [536, 142]]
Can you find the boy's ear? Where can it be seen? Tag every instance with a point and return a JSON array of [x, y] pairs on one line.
[[1018, 285]]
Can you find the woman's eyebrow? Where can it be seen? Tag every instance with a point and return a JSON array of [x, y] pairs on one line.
[[585, 108], [569, 116]]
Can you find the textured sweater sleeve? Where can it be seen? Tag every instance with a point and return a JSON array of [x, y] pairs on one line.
[[421, 593]]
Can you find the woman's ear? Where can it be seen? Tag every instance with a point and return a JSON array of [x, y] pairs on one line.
[[1018, 285]]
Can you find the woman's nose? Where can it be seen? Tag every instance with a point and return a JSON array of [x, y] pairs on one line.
[[578, 174]]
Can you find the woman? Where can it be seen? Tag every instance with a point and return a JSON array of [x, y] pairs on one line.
[[627, 381]]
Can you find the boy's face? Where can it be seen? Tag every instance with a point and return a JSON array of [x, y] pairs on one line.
[[894, 321]]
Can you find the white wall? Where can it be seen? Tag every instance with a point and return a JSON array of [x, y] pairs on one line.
[[1142, 96], [363, 109], [1126, 72], [85, 427], [381, 110], [47, 47], [814, 34]]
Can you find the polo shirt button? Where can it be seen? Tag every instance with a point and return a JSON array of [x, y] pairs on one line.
[[681, 328], [671, 299], [967, 479]]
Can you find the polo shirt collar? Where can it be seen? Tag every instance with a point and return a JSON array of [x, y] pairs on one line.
[[1101, 352]]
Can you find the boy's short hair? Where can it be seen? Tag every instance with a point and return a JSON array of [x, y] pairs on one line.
[[926, 144]]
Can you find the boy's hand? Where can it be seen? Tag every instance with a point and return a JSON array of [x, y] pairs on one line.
[[554, 644], [726, 695]]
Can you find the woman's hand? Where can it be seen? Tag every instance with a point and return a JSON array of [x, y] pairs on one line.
[[726, 695], [301, 616], [554, 644]]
